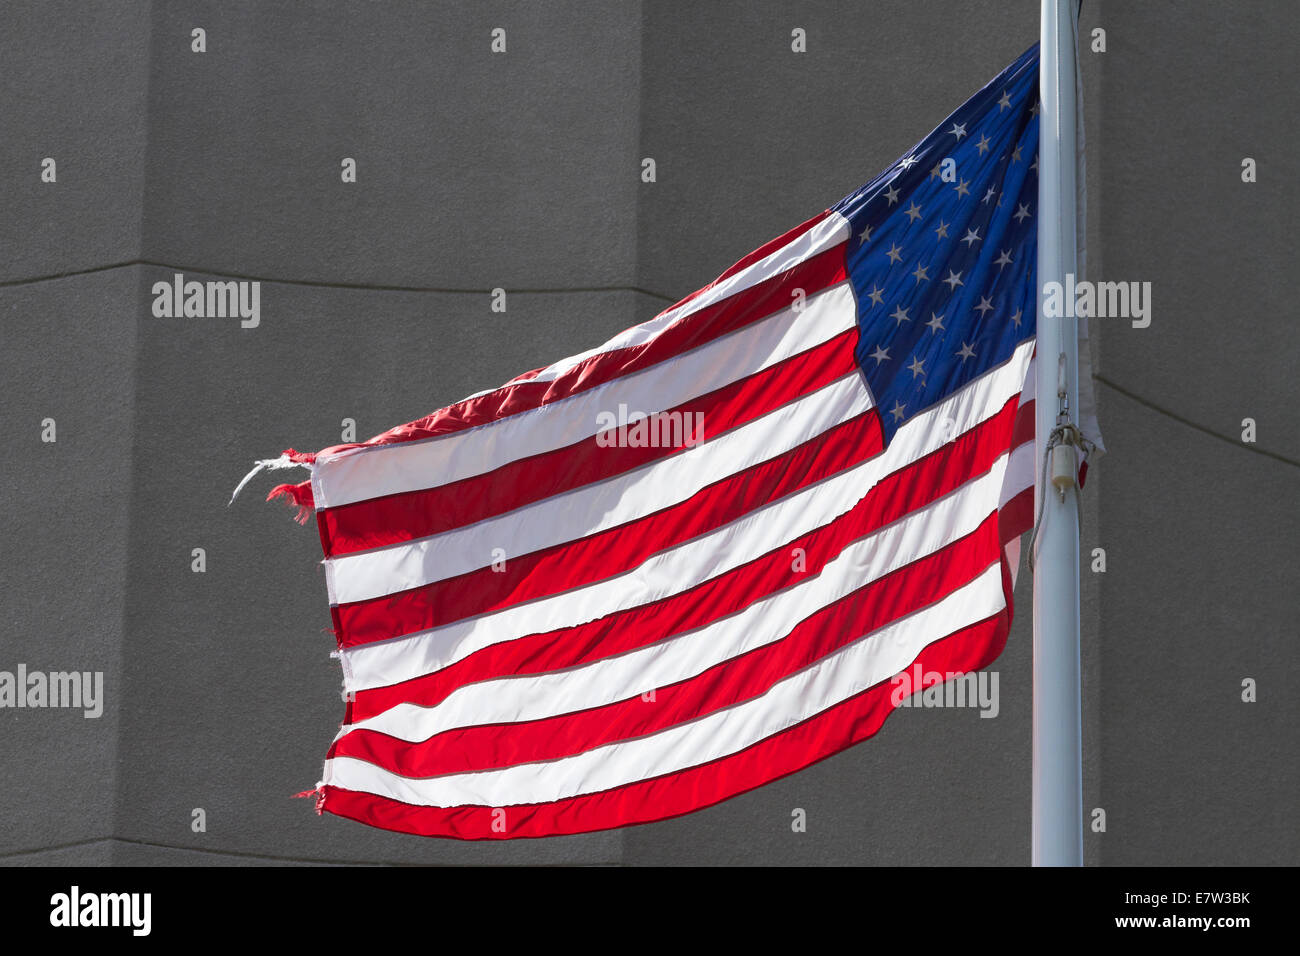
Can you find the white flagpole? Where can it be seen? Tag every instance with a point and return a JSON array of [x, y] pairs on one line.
[[1058, 770]]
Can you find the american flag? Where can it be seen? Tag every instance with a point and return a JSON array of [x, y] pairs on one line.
[[688, 562]]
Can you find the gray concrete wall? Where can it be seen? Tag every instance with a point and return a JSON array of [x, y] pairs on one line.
[[74, 89], [521, 171], [1202, 531]]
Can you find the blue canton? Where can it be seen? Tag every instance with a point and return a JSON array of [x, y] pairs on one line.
[[942, 254]]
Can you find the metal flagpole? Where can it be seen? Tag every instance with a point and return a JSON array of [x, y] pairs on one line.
[[1058, 771]]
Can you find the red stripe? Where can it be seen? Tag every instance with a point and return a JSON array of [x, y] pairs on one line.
[[378, 522], [872, 606], [671, 795], [1016, 516], [1024, 427], [711, 322], [612, 551], [894, 496], [762, 252]]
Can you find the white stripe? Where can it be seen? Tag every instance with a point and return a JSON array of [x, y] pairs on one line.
[[1019, 474], [373, 471], [686, 655], [593, 508], [1031, 381], [835, 678], [390, 662], [1013, 559], [831, 231]]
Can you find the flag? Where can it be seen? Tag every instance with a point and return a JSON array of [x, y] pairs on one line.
[[663, 572]]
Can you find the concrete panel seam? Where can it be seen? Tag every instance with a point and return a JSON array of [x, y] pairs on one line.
[[235, 854], [1191, 424], [321, 284]]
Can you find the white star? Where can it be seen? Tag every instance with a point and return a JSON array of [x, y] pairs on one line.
[[920, 274], [893, 253], [989, 195], [901, 315], [961, 188], [1033, 110], [1034, 164], [937, 171], [958, 131], [983, 145], [953, 280], [897, 411], [972, 235], [1015, 319], [875, 295], [1005, 102], [984, 306], [909, 162], [1004, 259], [914, 212], [942, 231], [892, 194], [916, 368], [865, 234], [880, 355], [965, 352], [1015, 155], [935, 324], [1022, 212]]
